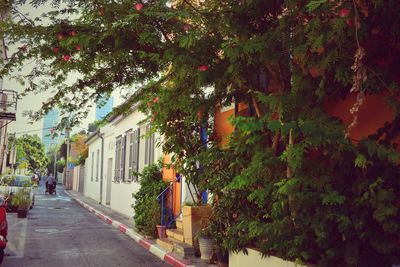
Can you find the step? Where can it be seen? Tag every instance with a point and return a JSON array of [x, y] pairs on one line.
[[179, 224], [176, 234], [177, 247], [166, 244]]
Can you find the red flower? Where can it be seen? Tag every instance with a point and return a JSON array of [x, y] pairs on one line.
[[155, 100], [55, 50], [23, 49], [138, 6], [78, 47], [72, 33], [186, 27], [60, 36], [203, 68], [344, 12], [349, 22], [66, 57]]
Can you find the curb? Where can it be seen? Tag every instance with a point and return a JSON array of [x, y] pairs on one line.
[[148, 245]]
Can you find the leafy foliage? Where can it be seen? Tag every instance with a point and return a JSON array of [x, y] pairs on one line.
[[146, 207], [298, 186], [30, 149]]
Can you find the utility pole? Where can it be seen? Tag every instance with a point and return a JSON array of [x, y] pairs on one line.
[[13, 153], [55, 160]]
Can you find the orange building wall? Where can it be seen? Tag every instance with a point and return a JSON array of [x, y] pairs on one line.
[[372, 115], [222, 126], [169, 176]]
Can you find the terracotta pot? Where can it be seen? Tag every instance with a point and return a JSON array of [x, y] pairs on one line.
[[206, 246], [161, 230], [22, 213]]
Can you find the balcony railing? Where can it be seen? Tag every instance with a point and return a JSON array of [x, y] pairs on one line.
[[8, 105]]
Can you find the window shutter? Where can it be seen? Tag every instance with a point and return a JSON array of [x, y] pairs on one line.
[[122, 155], [137, 150], [117, 159], [130, 158], [146, 147], [151, 152]]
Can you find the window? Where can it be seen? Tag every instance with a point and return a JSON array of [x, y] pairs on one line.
[[92, 168], [97, 165], [133, 159], [149, 148], [118, 147], [123, 158]]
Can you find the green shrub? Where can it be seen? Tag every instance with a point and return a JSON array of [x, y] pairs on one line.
[[146, 207]]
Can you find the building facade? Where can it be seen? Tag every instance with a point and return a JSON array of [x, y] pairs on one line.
[[49, 122], [115, 152]]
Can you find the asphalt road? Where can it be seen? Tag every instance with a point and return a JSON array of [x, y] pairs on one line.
[[58, 232]]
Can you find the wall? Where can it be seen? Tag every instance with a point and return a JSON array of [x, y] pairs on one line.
[[121, 192], [92, 187], [372, 115], [254, 259]]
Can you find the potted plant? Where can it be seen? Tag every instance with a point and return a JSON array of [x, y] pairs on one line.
[[206, 244], [22, 199], [222, 256]]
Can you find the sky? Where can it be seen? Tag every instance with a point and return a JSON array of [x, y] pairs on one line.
[[34, 101]]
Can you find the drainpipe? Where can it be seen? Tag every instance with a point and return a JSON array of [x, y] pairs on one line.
[[101, 165]]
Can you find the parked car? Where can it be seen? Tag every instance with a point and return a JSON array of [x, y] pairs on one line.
[[12, 184]]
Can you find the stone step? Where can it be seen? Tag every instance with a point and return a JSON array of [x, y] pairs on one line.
[[176, 234], [171, 245], [179, 224], [166, 244]]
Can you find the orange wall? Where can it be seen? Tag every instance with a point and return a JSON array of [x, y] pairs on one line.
[[168, 176], [222, 127], [372, 115]]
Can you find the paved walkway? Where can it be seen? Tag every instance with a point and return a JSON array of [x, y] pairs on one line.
[[125, 224]]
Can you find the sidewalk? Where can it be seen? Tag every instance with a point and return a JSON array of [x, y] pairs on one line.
[[125, 225]]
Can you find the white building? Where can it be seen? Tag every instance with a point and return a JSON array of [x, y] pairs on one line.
[[115, 151]]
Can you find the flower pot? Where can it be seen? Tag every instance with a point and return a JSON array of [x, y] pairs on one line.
[[222, 258], [206, 246], [161, 230], [22, 213]]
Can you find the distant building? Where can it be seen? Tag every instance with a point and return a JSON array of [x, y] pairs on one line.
[[103, 107], [50, 121]]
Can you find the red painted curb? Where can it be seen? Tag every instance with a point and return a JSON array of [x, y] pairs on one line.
[[174, 261], [144, 243], [108, 220], [122, 228]]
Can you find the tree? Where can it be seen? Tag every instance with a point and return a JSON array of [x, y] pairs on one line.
[[302, 189], [30, 149], [79, 147]]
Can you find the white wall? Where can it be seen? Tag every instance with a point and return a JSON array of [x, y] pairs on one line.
[[254, 259], [92, 187], [121, 192]]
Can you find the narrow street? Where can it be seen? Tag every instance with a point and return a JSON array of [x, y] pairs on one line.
[[59, 232]]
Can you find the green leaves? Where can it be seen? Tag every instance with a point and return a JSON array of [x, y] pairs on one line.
[[315, 4], [332, 198]]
